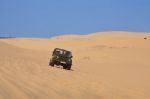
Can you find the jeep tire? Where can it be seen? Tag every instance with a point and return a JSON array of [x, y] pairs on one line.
[[51, 63], [67, 66]]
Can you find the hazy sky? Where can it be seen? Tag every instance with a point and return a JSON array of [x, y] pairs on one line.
[[44, 18]]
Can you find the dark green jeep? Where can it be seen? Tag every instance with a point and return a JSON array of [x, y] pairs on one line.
[[61, 57]]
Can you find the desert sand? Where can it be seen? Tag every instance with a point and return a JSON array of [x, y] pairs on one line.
[[106, 65]]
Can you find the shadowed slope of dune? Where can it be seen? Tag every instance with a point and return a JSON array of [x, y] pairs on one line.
[[105, 66]]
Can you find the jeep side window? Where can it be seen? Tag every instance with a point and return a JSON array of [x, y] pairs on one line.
[[56, 52], [68, 54], [61, 52]]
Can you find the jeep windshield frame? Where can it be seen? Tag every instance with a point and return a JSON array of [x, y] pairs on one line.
[[62, 52]]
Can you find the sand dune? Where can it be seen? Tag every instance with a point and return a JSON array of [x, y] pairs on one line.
[[114, 65]]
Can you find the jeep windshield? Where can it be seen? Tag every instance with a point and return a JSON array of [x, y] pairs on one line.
[[62, 53]]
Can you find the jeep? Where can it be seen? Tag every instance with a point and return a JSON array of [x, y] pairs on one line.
[[61, 57]]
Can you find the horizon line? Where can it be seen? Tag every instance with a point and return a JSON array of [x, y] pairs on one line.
[[6, 37]]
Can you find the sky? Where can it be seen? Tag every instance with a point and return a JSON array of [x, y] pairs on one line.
[[46, 18]]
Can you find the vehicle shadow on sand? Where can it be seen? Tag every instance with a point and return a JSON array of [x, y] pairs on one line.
[[60, 67]]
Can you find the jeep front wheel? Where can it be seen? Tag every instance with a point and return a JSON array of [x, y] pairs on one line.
[[51, 63], [69, 66]]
